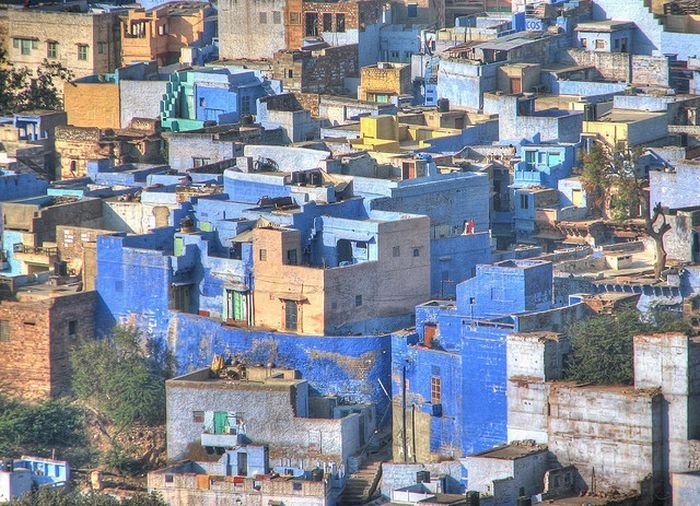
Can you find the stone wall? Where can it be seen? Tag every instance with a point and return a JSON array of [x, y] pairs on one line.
[[139, 99], [99, 32], [610, 434], [397, 475], [251, 29], [318, 72], [633, 68], [270, 418], [40, 336]]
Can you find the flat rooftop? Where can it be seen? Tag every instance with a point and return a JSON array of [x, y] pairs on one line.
[[243, 375], [608, 25], [511, 451]]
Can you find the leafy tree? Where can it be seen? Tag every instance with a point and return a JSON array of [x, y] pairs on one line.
[[65, 497], [616, 189], [122, 376], [23, 90], [39, 428], [602, 347]]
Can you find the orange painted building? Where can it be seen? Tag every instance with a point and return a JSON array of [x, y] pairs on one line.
[[159, 34], [291, 295]]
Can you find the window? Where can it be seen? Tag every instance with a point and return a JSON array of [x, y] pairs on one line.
[[169, 478], [599, 44], [394, 54], [26, 46], [397, 251], [163, 30], [198, 416], [4, 330], [616, 43], [416, 252], [340, 23], [296, 485], [358, 300], [435, 390], [327, 22], [82, 52], [245, 105], [290, 73], [198, 161], [292, 256], [263, 255], [277, 17], [295, 18], [35, 44], [524, 201], [263, 18], [584, 42], [52, 50], [202, 102], [72, 328], [412, 10], [311, 24], [101, 47], [290, 315]]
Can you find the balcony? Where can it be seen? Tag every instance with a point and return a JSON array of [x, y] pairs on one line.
[[37, 255]]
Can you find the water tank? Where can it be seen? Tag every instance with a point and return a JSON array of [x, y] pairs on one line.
[[443, 105]]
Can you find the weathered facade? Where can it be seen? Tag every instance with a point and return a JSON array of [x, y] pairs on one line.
[[38, 329], [75, 146], [319, 71], [86, 43]]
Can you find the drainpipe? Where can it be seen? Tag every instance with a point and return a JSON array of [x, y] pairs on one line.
[[403, 414]]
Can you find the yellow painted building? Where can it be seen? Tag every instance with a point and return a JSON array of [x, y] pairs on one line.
[[159, 34], [92, 104], [627, 128], [407, 132], [383, 81]]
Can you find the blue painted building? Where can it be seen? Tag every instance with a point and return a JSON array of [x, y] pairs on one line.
[[20, 185], [449, 374], [196, 98], [20, 477], [544, 164], [452, 201]]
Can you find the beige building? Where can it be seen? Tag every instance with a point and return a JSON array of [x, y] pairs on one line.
[[384, 81], [86, 43], [318, 300]]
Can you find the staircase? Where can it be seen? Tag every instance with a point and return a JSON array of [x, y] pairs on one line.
[[361, 486]]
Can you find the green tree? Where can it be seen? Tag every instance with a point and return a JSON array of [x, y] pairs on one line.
[[616, 188], [65, 497], [122, 376], [39, 428], [22, 89], [602, 347]]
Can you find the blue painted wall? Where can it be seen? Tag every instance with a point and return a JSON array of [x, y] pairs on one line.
[[350, 367], [20, 186], [134, 275], [468, 353]]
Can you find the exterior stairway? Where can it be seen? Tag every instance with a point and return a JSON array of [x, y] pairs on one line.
[[361, 486]]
